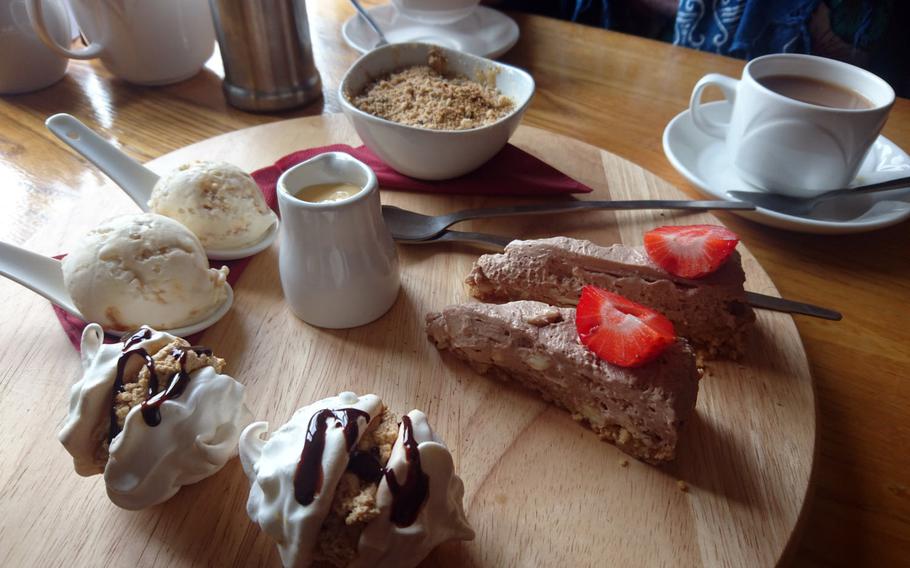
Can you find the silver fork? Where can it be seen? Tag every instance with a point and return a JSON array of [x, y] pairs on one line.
[[410, 226], [756, 300], [802, 206]]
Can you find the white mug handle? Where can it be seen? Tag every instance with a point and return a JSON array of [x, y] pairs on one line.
[[727, 85], [36, 11]]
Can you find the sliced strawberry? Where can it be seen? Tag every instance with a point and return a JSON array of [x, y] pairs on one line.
[[620, 331], [690, 251]]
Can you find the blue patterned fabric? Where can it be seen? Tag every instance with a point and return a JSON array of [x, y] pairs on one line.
[[745, 28], [868, 33]]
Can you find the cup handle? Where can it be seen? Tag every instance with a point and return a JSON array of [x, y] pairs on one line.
[[36, 13], [727, 85]]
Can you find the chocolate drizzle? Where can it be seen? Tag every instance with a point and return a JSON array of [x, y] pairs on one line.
[[118, 383], [408, 497], [308, 477], [365, 465], [151, 406], [141, 335]]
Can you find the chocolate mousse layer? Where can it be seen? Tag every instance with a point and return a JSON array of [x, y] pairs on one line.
[[712, 312], [641, 410]]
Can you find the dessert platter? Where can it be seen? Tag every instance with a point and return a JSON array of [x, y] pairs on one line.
[[538, 489], [594, 393]]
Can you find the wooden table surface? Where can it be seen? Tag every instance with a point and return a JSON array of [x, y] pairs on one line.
[[611, 90]]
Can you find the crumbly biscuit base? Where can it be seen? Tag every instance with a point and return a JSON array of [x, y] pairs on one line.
[[136, 384], [354, 504]]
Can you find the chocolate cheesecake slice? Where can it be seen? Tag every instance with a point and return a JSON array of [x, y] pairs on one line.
[[641, 409], [712, 312]]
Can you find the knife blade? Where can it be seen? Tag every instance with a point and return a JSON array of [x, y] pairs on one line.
[[766, 302]]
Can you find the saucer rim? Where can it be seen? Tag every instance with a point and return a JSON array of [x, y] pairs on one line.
[[767, 216], [513, 37]]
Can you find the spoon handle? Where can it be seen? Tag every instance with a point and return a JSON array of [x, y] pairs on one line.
[[134, 178], [370, 22], [38, 273], [888, 185], [561, 206]]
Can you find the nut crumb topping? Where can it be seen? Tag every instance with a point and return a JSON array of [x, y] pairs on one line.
[[544, 318], [428, 97], [136, 383]]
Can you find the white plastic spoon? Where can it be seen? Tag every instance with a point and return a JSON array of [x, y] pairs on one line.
[[132, 177], [44, 276]]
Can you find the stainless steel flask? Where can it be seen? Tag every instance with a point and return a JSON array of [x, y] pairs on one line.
[[267, 54]]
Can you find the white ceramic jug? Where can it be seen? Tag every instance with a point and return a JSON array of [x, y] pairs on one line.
[[26, 64], [148, 42], [338, 263]]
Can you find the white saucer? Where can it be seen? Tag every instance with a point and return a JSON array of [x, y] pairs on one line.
[[703, 160], [486, 32]]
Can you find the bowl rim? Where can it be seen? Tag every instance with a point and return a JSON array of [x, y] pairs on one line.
[[516, 111]]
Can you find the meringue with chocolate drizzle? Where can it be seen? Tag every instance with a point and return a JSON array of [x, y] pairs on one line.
[[344, 483], [152, 413]]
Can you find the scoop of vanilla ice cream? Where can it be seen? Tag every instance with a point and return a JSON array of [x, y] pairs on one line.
[[142, 269], [271, 466], [217, 201], [146, 465]]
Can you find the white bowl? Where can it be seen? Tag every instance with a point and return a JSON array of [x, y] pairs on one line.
[[425, 153]]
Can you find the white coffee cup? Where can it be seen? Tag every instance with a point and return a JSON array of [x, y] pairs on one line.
[[337, 262], [149, 42], [784, 145], [26, 64], [438, 12]]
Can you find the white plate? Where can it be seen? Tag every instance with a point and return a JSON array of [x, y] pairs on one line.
[[703, 160], [486, 32]]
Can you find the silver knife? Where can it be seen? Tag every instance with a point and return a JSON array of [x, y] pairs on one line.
[[766, 302], [756, 300]]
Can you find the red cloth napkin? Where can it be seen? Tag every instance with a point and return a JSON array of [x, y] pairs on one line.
[[510, 172]]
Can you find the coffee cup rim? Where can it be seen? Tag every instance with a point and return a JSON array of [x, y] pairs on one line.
[[747, 73]]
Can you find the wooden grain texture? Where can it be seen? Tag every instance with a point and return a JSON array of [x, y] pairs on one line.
[[539, 489], [611, 90]]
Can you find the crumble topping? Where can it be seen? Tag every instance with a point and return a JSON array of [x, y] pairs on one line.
[[545, 317], [429, 97]]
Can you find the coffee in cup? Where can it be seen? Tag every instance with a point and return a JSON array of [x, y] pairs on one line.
[[815, 91], [800, 124]]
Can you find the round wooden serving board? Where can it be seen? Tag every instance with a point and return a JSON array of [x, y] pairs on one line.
[[540, 490]]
